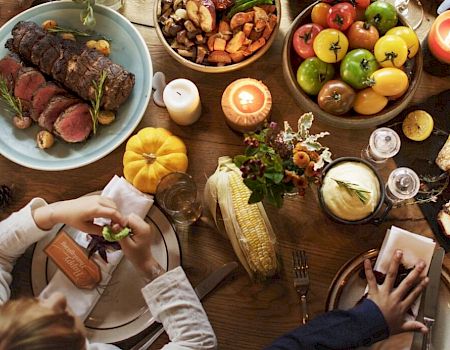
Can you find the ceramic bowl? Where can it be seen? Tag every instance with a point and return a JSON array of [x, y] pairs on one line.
[[213, 69], [378, 215], [351, 120]]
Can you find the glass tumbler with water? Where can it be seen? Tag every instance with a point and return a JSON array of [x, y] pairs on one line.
[[403, 184], [177, 195], [384, 143], [112, 4]]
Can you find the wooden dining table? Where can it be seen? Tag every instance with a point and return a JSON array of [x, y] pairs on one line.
[[243, 313]]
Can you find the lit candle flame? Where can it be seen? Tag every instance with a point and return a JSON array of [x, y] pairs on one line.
[[246, 98]]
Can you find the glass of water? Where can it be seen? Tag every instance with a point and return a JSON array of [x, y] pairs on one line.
[[177, 195], [411, 10], [384, 143], [403, 184]]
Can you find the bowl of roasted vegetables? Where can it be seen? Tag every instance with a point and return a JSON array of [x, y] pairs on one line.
[[216, 36], [354, 64]]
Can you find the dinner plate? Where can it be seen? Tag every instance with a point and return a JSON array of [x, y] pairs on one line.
[[348, 287], [121, 311], [128, 49]]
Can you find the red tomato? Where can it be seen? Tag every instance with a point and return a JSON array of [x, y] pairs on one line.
[[303, 39], [361, 3], [341, 16]]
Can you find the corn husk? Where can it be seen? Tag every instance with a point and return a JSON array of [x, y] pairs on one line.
[[219, 201]]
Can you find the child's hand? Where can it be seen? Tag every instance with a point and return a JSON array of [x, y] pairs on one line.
[[137, 248], [79, 213], [395, 303]]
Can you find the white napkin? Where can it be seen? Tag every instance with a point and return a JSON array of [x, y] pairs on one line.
[[414, 247], [128, 200]]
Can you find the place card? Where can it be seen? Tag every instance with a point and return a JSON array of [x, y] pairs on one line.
[[73, 261]]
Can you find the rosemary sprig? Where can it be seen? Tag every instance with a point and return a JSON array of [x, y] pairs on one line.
[[354, 190], [98, 92], [58, 29], [12, 102]]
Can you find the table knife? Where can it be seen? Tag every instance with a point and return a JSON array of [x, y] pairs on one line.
[[202, 289], [430, 301]]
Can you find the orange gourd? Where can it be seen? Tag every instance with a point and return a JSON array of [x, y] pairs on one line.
[[150, 155]]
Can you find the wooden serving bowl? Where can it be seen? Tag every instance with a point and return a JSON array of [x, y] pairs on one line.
[[351, 120], [213, 69]]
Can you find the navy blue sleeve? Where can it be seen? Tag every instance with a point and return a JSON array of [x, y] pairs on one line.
[[362, 325]]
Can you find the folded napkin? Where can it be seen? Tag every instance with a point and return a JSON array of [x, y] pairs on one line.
[[414, 247], [128, 200]]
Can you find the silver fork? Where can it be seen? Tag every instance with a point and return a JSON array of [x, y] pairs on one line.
[[301, 280]]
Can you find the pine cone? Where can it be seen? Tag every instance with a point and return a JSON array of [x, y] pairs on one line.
[[5, 196]]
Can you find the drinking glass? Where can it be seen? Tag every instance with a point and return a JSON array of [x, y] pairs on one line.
[[112, 4], [177, 195], [403, 184], [384, 143], [411, 10]]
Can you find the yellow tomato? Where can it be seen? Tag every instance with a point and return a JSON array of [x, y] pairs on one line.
[[389, 81], [368, 102], [391, 51], [330, 45], [410, 37], [418, 125], [319, 14]]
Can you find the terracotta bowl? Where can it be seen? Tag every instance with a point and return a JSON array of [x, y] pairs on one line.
[[213, 69], [351, 120], [378, 214]]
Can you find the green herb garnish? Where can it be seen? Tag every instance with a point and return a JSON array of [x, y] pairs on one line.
[[354, 190], [7, 95], [111, 236], [87, 14], [98, 92], [68, 30]]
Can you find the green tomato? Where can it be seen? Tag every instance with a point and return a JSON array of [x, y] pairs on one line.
[[313, 74], [382, 15], [357, 67]]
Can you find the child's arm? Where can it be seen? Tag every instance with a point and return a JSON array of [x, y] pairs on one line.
[[169, 295], [37, 219], [17, 233]]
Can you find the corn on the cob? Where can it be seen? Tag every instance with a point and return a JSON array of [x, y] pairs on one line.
[[247, 225]]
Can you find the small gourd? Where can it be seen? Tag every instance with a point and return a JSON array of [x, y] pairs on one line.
[[150, 155]]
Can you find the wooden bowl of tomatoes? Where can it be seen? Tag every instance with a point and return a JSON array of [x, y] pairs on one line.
[[354, 65]]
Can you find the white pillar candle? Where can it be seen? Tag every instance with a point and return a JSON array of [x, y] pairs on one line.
[[182, 101]]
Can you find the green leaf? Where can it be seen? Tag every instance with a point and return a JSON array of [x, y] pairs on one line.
[[275, 177], [304, 124], [255, 197], [239, 160], [274, 196]]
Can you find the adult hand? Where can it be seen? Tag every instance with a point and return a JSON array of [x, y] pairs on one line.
[[79, 213], [137, 248], [395, 303]]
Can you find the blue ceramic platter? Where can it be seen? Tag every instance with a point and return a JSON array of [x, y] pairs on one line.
[[128, 49]]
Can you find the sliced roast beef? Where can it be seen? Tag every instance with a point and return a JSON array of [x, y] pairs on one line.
[[27, 82], [48, 42], [42, 96], [30, 38], [75, 124], [82, 66], [55, 107], [9, 67], [18, 31]]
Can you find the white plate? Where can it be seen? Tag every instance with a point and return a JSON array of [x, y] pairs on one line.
[[121, 311], [128, 49], [348, 287]]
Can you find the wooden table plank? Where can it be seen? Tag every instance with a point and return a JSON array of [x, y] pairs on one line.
[[244, 315]]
